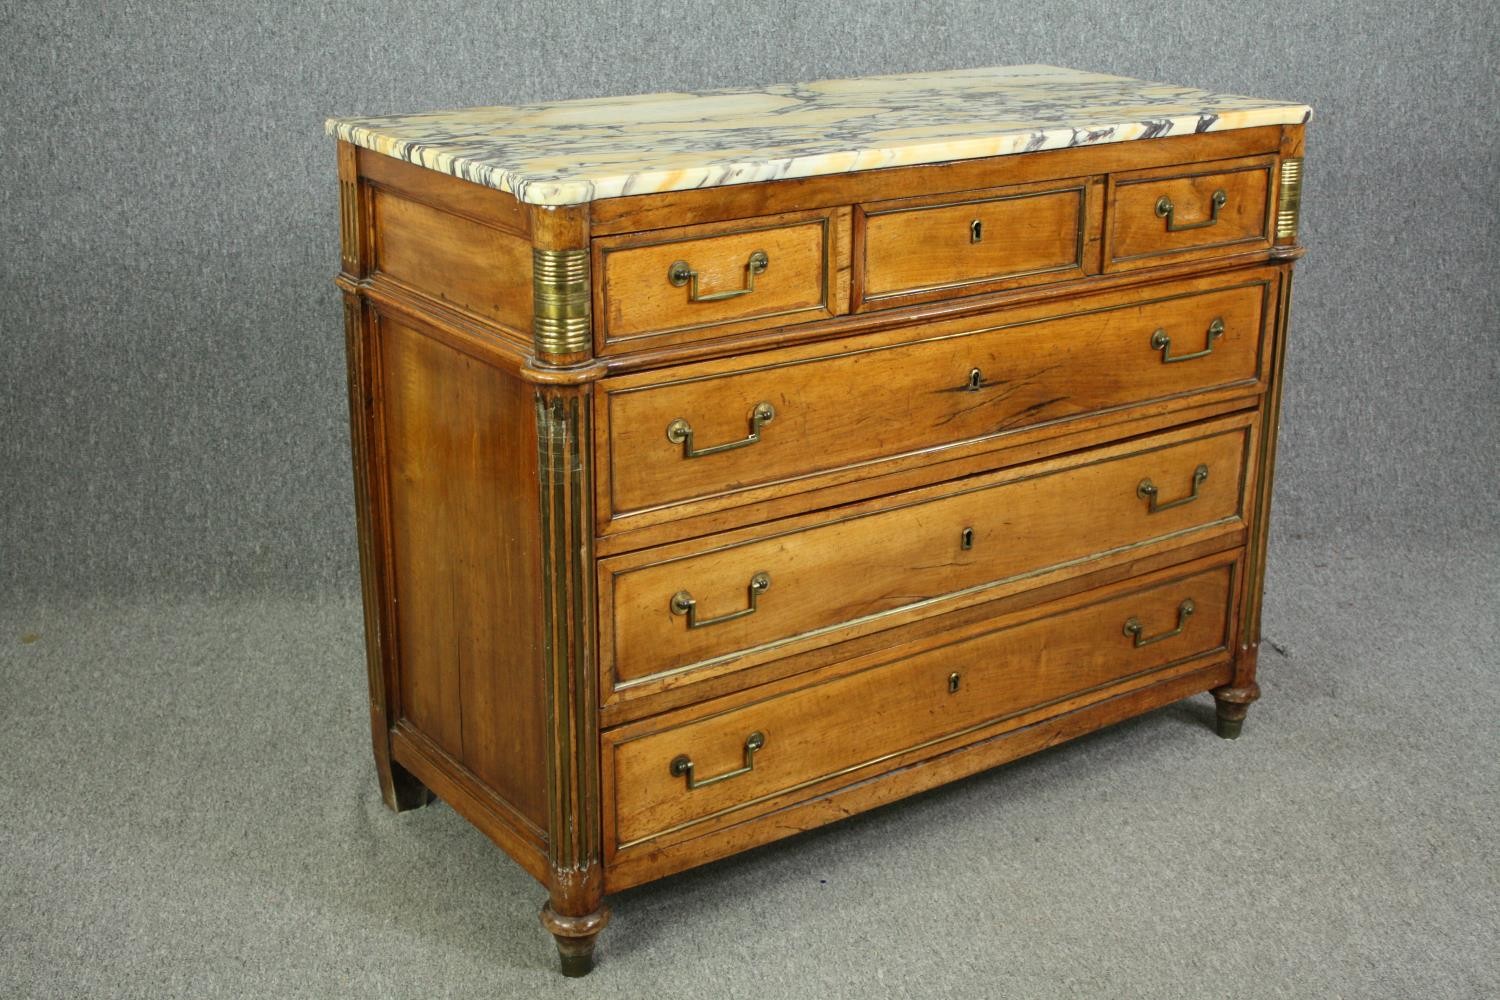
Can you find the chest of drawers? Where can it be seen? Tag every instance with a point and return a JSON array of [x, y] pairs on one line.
[[729, 463]]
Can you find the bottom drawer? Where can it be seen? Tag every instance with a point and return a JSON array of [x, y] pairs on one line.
[[716, 762]]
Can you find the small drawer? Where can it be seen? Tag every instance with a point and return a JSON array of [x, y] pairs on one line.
[[918, 249], [710, 433], [1188, 212], [695, 283], [702, 609], [714, 764]]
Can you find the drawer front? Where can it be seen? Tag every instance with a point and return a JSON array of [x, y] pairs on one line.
[[914, 250], [699, 282], [732, 606], [667, 776], [1186, 213], [709, 431]]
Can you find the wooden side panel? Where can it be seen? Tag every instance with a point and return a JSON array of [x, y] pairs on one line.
[[461, 478], [480, 269]]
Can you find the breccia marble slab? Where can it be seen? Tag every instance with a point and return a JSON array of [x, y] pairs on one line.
[[568, 152]]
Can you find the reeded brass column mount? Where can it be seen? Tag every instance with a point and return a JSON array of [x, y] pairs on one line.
[[560, 296], [1289, 204]]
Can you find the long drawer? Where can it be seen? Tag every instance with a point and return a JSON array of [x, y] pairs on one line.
[[711, 762], [714, 432], [726, 604]]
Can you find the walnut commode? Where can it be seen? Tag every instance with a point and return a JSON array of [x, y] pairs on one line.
[[705, 495]]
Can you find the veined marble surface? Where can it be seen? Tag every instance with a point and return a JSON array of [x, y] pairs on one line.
[[575, 151]]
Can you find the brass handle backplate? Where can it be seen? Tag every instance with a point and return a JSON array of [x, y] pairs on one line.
[[681, 273], [1165, 209], [683, 603], [682, 765], [1161, 342], [1148, 492], [680, 432], [1135, 630]]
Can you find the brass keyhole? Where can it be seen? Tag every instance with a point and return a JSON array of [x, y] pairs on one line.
[[967, 539], [953, 683], [976, 379], [976, 231]]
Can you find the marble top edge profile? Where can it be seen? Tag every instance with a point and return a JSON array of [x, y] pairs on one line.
[[569, 152]]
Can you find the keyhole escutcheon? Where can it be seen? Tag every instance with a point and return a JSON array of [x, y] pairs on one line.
[[976, 379], [966, 540], [953, 683], [976, 231]]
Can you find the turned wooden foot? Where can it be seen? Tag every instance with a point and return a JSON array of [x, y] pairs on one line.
[[575, 938], [400, 790], [1231, 704]]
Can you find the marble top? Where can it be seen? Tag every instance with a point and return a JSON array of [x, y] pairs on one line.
[[568, 152]]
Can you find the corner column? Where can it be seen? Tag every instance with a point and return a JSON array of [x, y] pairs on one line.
[[562, 336], [398, 788], [1233, 701]]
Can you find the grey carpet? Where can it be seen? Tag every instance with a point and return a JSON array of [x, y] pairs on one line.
[[190, 811]]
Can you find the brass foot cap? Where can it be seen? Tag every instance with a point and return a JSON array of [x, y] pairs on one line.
[[1229, 729], [575, 966]]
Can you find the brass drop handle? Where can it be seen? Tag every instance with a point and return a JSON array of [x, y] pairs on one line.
[[683, 603], [1134, 629], [681, 273], [1147, 491], [1164, 209], [1161, 342], [680, 432], [682, 765]]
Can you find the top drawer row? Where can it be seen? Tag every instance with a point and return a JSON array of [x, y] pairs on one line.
[[695, 283]]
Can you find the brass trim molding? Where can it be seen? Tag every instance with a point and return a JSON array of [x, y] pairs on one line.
[[1289, 205], [561, 312]]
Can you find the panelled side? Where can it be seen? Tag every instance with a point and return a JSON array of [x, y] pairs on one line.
[[446, 475]]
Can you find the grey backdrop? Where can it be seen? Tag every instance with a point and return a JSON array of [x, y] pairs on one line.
[[189, 806], [170, 343]]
